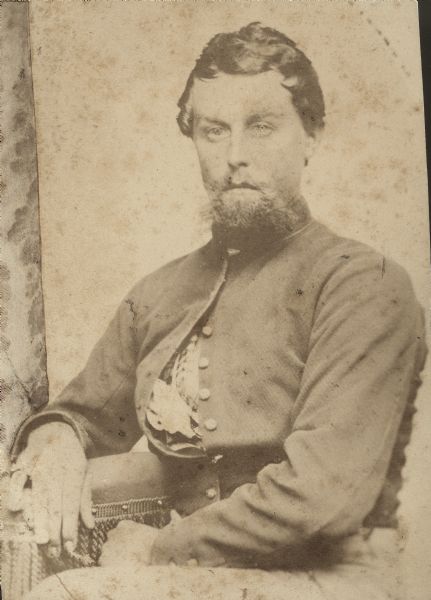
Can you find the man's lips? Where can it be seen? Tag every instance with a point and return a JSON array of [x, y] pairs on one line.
[[241, 186]]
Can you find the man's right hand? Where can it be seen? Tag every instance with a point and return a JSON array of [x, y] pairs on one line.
[[60, 492]]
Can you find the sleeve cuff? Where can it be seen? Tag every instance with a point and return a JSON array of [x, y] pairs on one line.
[[47, 416]]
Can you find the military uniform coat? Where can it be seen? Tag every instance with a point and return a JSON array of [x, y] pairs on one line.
[[314, 346]]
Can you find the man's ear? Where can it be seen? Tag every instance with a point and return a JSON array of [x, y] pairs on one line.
[[311, 144]]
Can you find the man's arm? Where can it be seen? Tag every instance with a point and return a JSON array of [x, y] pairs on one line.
[[98, 403], [366, 348], [94, 415]]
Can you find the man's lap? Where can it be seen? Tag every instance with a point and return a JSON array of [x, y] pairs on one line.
[[361, 576]]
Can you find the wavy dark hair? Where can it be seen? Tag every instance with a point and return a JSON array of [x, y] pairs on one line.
[[256, 49]]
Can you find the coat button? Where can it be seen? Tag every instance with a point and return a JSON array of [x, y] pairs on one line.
[[203, 362], [192, 562], [204, 394], [211, 493], [207, 331], [210, 424]]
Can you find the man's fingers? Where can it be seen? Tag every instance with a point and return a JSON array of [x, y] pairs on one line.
[[55, 492], [28, 508], [71, 504], [15, 499], [47, 482], [20, 472], [22, 462], [40, 512], [85, 508], [70, 522]]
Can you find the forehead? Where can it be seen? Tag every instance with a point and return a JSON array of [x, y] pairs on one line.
[[230, 97]]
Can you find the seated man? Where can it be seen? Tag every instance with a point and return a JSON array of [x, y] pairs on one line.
[[279, 359]]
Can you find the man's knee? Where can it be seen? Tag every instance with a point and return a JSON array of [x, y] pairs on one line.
[[90, 584], [49, 589]]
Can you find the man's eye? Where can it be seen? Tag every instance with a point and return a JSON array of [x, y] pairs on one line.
[[261, 129], [216, 133]]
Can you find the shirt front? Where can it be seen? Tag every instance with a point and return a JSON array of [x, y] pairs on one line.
[[172, 413]]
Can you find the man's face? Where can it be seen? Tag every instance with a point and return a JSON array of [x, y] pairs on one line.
[[251, 146]]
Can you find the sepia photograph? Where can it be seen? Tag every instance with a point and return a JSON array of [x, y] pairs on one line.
[[215, 288]]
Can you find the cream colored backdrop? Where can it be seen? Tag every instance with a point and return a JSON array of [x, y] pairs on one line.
[[120, 188]]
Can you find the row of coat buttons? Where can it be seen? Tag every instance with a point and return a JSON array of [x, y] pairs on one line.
[[204, 394]]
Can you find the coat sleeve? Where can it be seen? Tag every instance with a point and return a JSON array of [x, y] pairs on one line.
[[365, 351], [98, 403]]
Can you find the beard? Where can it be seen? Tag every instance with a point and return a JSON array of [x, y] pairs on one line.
[[244, 217]]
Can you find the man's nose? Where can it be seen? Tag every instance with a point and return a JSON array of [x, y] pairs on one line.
[[237, 153]]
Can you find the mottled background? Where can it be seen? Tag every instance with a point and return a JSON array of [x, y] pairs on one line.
[[23, 380], [120, 188]]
